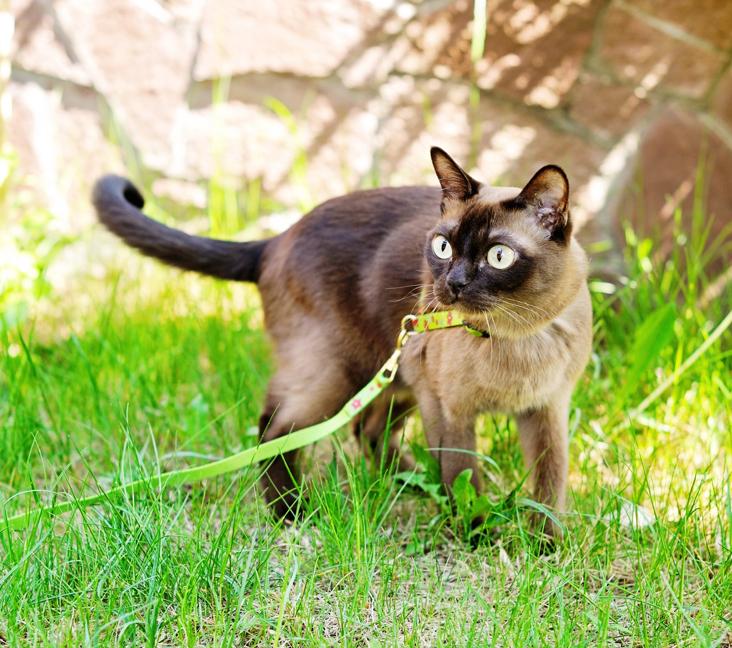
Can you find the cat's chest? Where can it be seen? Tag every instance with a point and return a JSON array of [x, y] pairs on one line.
[[471, 375]]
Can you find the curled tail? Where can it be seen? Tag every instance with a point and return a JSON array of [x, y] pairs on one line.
[[118, 204]]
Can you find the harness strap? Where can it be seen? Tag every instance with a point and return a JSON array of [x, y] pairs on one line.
[[411, 325]]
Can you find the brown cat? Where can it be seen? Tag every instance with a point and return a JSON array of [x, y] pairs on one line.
[[337, 283]]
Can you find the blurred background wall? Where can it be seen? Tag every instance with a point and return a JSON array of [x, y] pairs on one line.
[[285, 103]]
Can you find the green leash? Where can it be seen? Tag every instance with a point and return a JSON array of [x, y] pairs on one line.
[[411, 325]]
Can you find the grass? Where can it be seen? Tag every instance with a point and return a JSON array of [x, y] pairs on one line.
[[147, 369]]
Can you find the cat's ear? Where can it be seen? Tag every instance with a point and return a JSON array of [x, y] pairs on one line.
[[547, 194], [456, 184]]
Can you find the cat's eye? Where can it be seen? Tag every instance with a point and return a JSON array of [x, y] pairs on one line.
[[441, 247], [501, 257]]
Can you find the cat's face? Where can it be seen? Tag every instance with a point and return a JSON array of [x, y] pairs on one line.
[[500, 256]]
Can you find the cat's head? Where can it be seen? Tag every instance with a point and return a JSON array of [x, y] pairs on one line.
[[503, 255]]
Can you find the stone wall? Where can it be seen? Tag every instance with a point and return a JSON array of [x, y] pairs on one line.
[[312, 98]]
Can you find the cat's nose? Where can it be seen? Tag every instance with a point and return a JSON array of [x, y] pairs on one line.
[[457, 279], [456, 285]]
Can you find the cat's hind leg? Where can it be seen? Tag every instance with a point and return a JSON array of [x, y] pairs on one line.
[[300, 394]]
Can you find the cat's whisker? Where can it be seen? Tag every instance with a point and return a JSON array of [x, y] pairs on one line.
[[531, 313], [529, 322], [411, 293], [417, 285], [413, 287], [417, 289], [432, 304], [514, 316], [527, 306], [493, 320], [487, 325], [528, 311], [424, 308], [429, 305], [528, 316]]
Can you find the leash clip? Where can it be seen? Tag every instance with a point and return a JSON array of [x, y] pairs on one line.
[[407, 330], [388, 371]]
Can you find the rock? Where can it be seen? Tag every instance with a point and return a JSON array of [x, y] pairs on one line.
[[668, 162], [318, 146], [420, 114], [296, 37], [232, 140], [139, 57], [533, 50], [438, 42], [640, 54], [17, 7], [550, 39], [190, 195], [373, 65], [722, 100], [604, 108], [710, 20], [62, 149], [39, 45]]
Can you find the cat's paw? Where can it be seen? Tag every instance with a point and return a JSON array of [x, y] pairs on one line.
[[546, 534]]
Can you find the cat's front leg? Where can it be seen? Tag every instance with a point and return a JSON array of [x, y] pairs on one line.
[[544, 439], [450, 438]]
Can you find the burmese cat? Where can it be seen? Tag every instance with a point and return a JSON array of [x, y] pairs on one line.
[[337, 283]]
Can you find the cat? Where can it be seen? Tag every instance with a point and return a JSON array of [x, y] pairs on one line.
[[336, 284]]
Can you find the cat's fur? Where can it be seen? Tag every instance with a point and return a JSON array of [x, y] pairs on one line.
[[337, 283]]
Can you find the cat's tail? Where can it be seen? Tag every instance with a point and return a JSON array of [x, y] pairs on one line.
[[119, 203]]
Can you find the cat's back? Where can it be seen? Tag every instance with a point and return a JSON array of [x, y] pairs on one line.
[[339, 239]]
